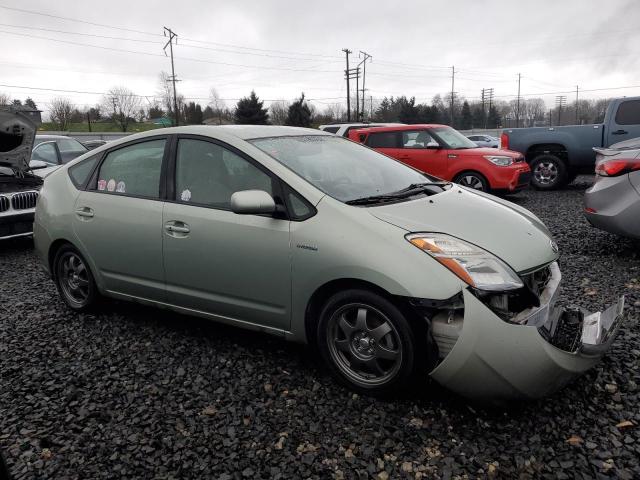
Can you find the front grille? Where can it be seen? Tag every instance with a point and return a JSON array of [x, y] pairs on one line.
[[524, 178], [24, 201], [4, 204], [538, 280]]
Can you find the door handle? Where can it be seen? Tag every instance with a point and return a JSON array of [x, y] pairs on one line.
[[85, 212], [177, 227], [619, 132]]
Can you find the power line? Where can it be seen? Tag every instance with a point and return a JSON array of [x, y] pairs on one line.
[[173, 79]]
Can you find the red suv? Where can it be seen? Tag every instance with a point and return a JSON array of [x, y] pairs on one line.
[[441, 151]]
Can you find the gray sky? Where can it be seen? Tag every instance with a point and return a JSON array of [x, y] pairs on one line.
[[283, 47]]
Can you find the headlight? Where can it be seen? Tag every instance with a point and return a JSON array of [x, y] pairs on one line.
[[473, 265], [499, 160]]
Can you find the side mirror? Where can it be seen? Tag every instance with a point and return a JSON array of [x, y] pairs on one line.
[[36, 164], [252, 202]]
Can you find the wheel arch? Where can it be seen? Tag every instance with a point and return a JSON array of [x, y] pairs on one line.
[[325, 291], [53, 249], [475, 172], [557, 149]]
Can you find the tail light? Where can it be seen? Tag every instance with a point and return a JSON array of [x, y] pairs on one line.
[[617, 166], [504, 141]]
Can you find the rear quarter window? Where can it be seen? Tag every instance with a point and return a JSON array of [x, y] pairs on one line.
[[383, 140], [80, 172], [331, 129]]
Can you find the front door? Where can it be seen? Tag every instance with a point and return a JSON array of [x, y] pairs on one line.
[[422, 151], [118, 220], [237, 267]]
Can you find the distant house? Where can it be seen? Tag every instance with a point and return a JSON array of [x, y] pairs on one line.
[[34, 114]]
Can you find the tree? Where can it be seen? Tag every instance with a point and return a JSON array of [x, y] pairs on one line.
[[30, 103], [5, 99], [123, 103], [217, 106], [494, 120], [193, 114], [17, 102], [60, 111], [250, 111], [299, 114], [155, 111], [409, 112], [465, 120], [95, 113], [278, 111]]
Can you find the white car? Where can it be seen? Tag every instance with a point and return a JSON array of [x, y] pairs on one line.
[[343, 129], [485, 141]]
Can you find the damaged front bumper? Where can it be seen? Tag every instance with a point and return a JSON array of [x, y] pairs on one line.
[[544, 348]]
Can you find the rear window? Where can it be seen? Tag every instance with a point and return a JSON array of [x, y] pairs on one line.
[[628, 113], [383, 140]]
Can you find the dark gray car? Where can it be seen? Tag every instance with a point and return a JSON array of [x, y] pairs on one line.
[[56, 149], [613, 202]]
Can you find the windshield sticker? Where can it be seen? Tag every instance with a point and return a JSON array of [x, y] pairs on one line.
[[185, 196], [120, 188], [111, 186], [102, 184]]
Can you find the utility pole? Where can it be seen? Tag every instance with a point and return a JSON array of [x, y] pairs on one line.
[[576, 104], [89, 120], [364, 76], [561, 101], [173, 72], [518, 104], [370, 107], [484, 115], [453, 78], [346, 74], [488, 94]]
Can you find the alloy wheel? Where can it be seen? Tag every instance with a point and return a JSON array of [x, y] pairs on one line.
[[364, 344], [471, 181], [74, 278], [545, 173]]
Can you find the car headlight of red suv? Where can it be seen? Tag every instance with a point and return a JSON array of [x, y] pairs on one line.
[[499, 160]]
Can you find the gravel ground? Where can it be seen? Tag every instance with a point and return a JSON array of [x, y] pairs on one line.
[[134, 392]]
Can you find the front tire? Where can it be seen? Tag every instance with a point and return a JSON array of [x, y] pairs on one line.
[[548, 172], [473, 180], [74, 279], [366, 342]]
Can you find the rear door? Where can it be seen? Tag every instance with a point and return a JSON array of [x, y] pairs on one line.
[[118, 218], [626, 122]]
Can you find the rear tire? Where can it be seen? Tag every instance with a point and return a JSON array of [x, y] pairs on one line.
[[367, 343], [74, 279], [548, 172], [474, 180]]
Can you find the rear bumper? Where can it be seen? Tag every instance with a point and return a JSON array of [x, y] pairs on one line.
[[613, 204], [493, 360], [16, 225]]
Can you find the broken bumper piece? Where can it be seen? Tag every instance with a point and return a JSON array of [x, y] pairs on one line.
[[495, 360]]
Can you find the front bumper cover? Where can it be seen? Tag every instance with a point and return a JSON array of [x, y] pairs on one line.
[[493, 359]]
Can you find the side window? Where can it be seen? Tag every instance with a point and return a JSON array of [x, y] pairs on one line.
[[133, 170], [383, 140], [79, 173], [208, 174], [628, 113], [331, 129], [417, 139], [46, 153]]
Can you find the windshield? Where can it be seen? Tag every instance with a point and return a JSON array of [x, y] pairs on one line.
[[452, 138], [340, 168]]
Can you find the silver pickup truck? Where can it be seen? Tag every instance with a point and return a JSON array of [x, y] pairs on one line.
[[558, 154]]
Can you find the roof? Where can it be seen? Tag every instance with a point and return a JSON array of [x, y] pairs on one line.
[[243, 132], [400, 128], [50, 137]]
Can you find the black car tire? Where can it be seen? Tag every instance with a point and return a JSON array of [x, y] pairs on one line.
[[548, 172], [374, 350], [471, 179], [74, 279]]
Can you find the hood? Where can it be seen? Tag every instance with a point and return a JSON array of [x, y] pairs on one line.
[[475, 152], [510, 232], [17, 135]]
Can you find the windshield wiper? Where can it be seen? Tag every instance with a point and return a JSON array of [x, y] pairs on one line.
[[413, 189]]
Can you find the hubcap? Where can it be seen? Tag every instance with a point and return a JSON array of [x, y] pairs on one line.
[[364, 344], [74, 278], [471, 181], [545, 173]]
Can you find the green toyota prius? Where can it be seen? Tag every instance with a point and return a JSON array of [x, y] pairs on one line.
[[392, 274]]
